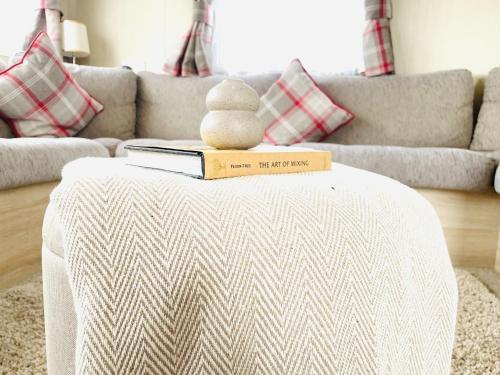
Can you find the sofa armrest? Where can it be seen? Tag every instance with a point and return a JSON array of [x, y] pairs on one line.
[[26, 161]]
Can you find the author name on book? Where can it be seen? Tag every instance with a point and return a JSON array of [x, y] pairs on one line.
[[273, 164]]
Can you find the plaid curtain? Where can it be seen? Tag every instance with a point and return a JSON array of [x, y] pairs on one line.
[[195, 53], [47, 18], [377, 44]]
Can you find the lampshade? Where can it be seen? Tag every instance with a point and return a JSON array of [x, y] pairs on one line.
[[75, 40]]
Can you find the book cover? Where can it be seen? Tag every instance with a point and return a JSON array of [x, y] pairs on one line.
[[209, 163]]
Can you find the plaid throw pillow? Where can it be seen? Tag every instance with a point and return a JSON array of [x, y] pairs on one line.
[[40, 98], [295, 109]]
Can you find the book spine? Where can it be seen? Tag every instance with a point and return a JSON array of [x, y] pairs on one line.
[[220, 165]]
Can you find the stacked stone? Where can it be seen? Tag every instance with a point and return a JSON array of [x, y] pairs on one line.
[[231, 122]]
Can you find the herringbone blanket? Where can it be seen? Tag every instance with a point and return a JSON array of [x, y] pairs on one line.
[[341, 272]]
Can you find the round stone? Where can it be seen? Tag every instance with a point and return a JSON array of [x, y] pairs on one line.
[[232, 94], [231, 130]]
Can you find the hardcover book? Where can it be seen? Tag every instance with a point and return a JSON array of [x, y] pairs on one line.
[[209, 163]]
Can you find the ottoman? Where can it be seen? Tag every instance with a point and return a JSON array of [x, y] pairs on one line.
[[339, 272]]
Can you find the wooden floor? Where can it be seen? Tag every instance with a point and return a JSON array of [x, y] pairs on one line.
[[471, 224], [21, 218]]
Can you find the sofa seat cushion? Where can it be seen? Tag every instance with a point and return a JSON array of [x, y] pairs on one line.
[[26, 161], [121, 152], [493, 155], [110, 143], [436, 168]]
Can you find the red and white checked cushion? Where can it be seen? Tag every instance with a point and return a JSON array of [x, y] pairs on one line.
[[294, 109], [40, 98]]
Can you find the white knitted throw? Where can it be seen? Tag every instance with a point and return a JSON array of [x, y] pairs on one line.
[[341, 272]]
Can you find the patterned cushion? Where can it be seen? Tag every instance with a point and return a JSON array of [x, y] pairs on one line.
[[40, 98], [295, 109]]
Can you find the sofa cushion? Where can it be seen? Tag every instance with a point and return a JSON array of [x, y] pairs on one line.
[[493, 154], [121, 152], [172, 108], [25, 161], [438, 168], [427, 110], [487, 132], [116, 89], [294, 109], [40, 98]]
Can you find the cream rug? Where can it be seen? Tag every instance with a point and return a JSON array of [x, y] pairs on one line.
[[477, 342]]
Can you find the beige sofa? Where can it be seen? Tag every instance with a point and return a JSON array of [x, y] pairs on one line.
[[415, 129]]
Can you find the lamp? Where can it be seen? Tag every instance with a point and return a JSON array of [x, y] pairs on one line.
[[75, 40]]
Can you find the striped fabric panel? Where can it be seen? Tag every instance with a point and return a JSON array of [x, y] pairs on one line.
[[377, 48], [40, 98], [378, 9], [377, 43], [48, 18], [195, 50]]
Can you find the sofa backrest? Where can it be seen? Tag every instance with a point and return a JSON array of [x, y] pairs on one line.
[[172, 108], [116, 89], [487, 130], [422, 110], [432, 110]]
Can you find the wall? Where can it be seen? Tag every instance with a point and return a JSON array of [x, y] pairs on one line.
[[140, 33], [446, 34], [427, 35], [15, 24]]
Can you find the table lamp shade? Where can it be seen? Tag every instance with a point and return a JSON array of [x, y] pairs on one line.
[[75, 40]]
